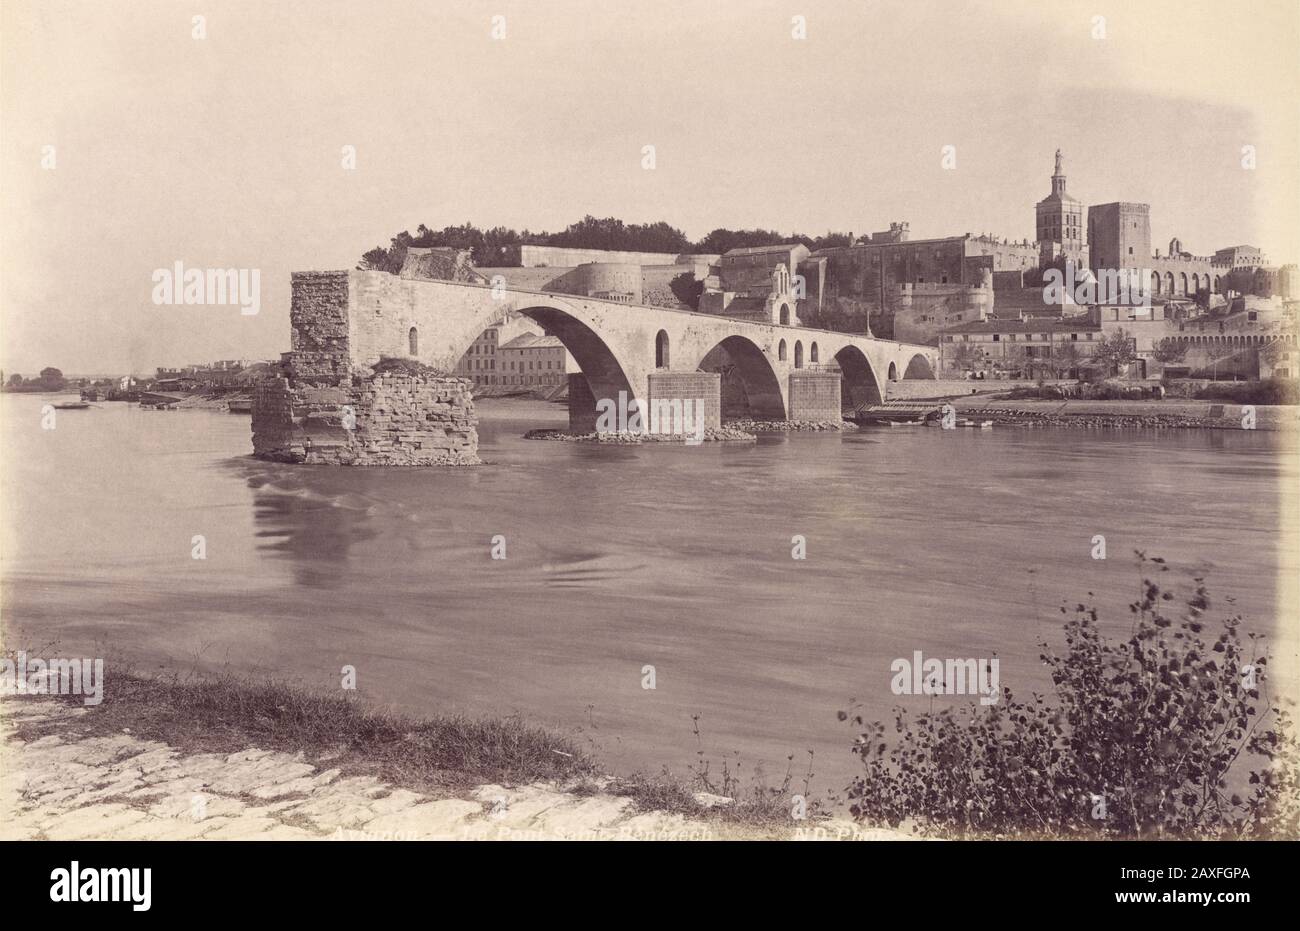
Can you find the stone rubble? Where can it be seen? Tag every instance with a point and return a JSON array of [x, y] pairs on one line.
[[791, 426], [709, 435]]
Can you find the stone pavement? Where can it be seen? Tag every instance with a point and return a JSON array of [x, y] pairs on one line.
[[122, 788]]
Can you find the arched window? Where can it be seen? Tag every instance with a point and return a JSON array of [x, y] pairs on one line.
[[661, 350], [780, 350], [414, 337], [798, 354], [812, 353], [785, 315]]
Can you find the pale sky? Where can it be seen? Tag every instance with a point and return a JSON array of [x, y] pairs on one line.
[[226, 151]]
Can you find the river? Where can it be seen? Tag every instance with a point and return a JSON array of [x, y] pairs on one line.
[[955, 543]]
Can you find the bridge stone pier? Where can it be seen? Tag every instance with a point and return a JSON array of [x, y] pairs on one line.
[[345, 321]]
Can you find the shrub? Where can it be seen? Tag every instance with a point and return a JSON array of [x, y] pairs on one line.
[[1268, 391], [1147, 738], [402, 366]]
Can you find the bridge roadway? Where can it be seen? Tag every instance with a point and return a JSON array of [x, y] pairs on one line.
[[617, 345]]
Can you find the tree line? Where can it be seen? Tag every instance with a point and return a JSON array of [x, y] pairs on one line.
[[499, 246], [50, 379]]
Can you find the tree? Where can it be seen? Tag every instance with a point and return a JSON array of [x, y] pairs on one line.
[[687, 289], [1015, 359], [1066, 357], [612, 233], [1216, 353], [964, 356], [15, 380], [721, 241], [1116, 350], [1243, 281], [1169, 350], [51, 379], [830, 241]]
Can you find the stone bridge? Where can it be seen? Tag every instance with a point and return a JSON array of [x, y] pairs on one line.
[[346, 321], [619, 346]]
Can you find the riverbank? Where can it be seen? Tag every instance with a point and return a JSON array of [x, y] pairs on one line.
[[1167, 413], [219, 759]]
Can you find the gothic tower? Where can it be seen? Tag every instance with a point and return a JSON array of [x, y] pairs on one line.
[[1059, 226]]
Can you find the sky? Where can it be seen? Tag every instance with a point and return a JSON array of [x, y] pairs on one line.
[[226, 151]]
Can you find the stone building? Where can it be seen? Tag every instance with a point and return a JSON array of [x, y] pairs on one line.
[[1182, 274], [1015, 345], [1240, 257], [1279, 359], [860, 290], [757, 284], [924, 310], [532, 361], [1059, 223], [1119, 236], [482, 364]]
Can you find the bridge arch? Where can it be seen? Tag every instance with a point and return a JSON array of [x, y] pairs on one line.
[[746, 370], [919, 367], [606, 373], [858, 383]]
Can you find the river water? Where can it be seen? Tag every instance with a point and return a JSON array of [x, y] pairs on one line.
[[955, 543]]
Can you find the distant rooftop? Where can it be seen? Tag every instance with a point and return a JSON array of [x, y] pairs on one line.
[[533, 341], [759, 250], [1035, 325]]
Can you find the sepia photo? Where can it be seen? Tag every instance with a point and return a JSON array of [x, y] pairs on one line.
[[750, 421]]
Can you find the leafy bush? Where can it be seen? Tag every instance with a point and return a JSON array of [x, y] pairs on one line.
[[401, 366], [1268, 391], [1147, 738]]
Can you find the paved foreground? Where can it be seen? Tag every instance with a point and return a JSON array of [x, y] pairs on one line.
[[123, 788]]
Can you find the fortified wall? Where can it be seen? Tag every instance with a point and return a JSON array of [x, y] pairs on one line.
[[923, 310], [324, 409]]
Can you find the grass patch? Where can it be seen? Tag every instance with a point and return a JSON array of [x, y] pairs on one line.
[[226, 714], [438, 756]]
